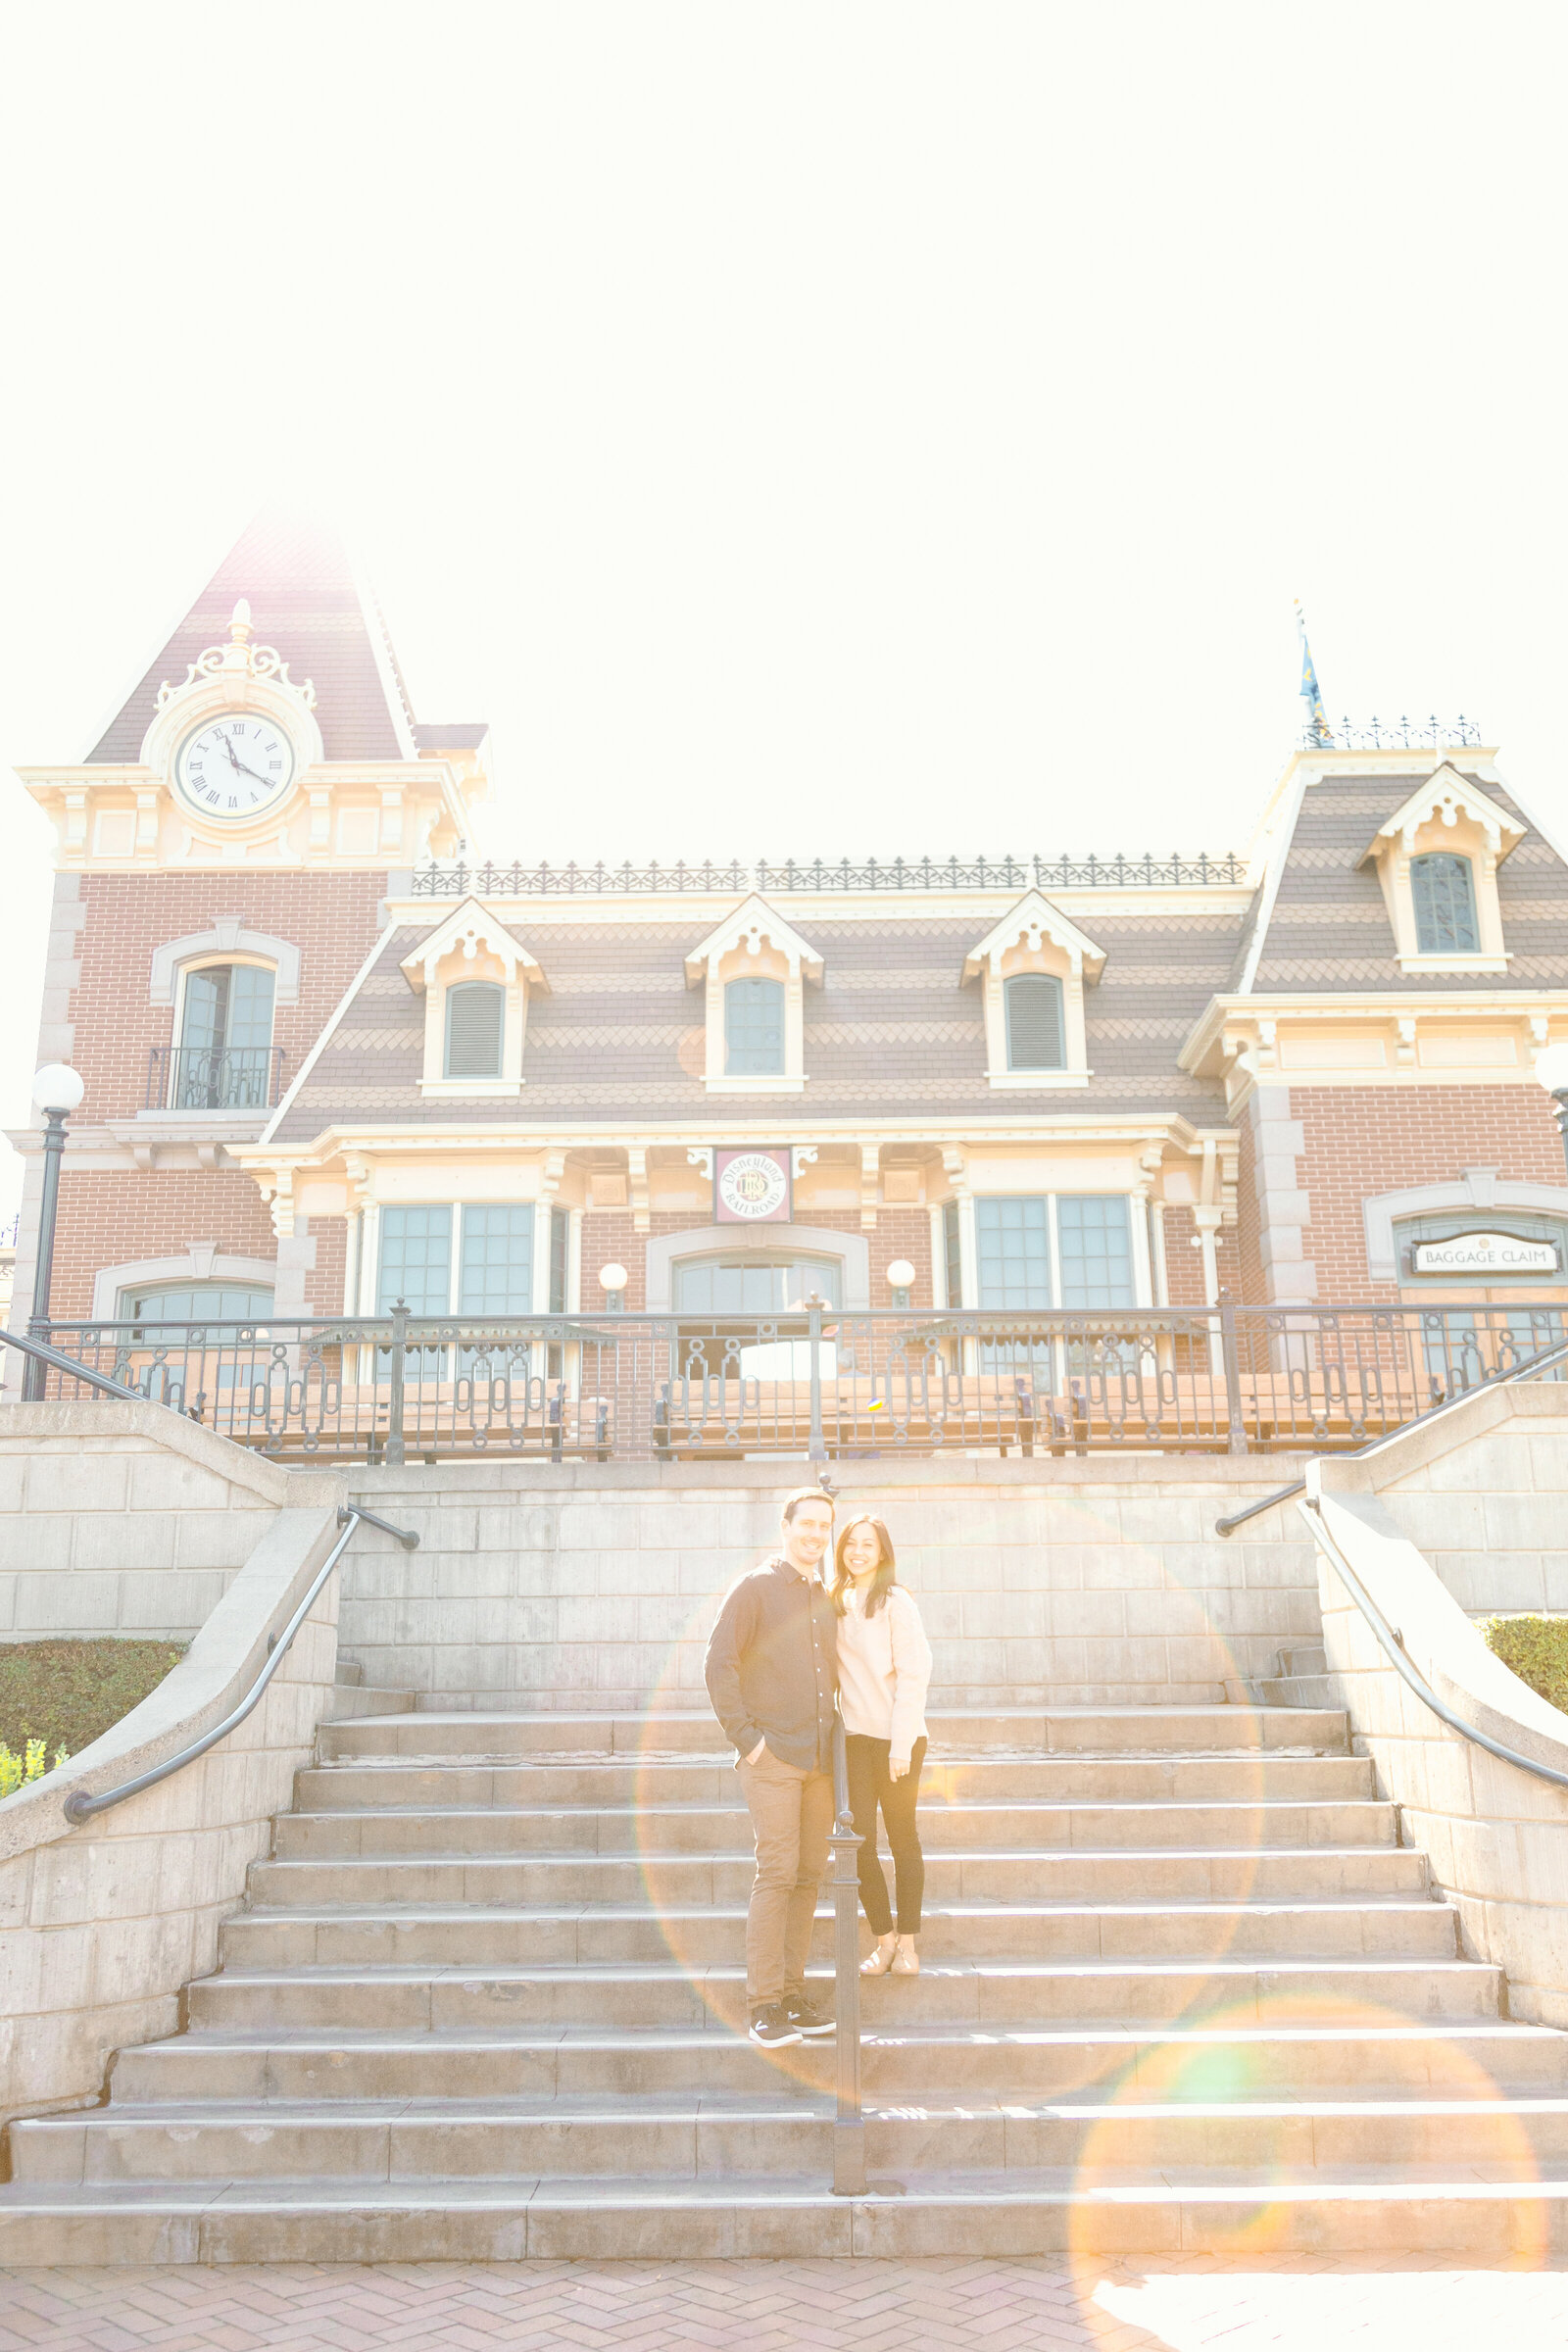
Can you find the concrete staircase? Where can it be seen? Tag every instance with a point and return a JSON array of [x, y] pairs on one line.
[[1182, 1988]]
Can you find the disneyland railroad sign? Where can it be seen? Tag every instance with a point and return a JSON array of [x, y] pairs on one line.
[[1486, 1253], [752, 1187]]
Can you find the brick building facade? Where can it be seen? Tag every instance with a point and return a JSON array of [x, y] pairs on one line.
[[329, 1058]]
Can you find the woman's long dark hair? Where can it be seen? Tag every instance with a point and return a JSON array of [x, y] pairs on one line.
[[887, 1567]]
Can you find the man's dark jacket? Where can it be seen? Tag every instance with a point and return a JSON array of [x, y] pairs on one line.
[[772, 1665]]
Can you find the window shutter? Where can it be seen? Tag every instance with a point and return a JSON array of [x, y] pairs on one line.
[[1034, 1023], [473, 1030]]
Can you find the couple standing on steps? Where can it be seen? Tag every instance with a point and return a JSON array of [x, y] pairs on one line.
[[786, 1645]]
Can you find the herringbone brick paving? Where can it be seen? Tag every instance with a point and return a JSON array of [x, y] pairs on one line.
[[1050, 2305]]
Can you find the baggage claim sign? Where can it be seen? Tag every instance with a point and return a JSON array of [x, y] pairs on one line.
[[752, 1187]]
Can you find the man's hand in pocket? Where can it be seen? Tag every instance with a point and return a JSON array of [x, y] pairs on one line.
[[757, 1751]]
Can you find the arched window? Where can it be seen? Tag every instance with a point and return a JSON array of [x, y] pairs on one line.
[[1035, 1039], [753, 1029], [1443, 888], [475, 1019], [196, 1302], [223, 1060]]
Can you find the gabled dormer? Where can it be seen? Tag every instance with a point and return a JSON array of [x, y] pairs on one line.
[[1436, 859], [1031, 967], [753, 969], [477, 977]]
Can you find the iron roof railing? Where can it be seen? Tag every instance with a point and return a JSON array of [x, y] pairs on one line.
[[457, 879], [1391, 735]]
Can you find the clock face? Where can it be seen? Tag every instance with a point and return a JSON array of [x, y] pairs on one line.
[[234, 769]]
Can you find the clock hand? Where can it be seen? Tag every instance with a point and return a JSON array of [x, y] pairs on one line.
[[240, 769], [229, 748]]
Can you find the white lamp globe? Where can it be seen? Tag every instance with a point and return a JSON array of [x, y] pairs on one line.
[[57, 1087], [901, 1274], [613, 1278], [1551, 1067]]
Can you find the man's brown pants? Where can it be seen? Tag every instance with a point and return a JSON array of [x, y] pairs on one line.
[[792, 1819]]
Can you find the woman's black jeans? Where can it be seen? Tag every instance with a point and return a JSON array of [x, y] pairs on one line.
[[870, 1787]]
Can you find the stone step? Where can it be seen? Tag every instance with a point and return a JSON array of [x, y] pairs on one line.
[[633, 1783], [717, 1829], [1517, 2209], [1052, 1875], [1067, 1730], [596, 1933], [1442, 2057], [350, 1701], [721, 2138], [624, 1994]]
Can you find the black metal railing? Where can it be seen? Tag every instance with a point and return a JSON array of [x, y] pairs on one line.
[[849, 2122], [456, 881], [214, 1078], [1391, 735], [813, 1381]]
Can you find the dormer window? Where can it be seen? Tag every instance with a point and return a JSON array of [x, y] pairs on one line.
[[753, 1029], [476, 980], [223, 1060], [1443, 889], [476, 1015], [753, 972], [1031, 969], [1035, 1027], [1437, 857]]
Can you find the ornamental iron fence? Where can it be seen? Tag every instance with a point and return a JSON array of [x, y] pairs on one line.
[[812, 1382], [456, 881], [1391, 735], [214, 1077]]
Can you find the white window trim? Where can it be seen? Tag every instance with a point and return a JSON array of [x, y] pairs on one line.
[[1029, 926], [201, 1263], [718, 960], [1480, 1189], [1446, 817], [468, 928], [228, 942]]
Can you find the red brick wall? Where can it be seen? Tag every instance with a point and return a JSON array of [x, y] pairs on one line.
[[1243, 1277], [1183, 1265], [1362, 1140], [332, 918], [324, 1288], [114, 1217]]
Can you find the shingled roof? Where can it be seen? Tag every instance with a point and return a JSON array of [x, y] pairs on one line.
[[1329, 930], [304, 600]]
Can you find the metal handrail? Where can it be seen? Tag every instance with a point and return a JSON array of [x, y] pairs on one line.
[[1389, 1639], [849, 2124], [80, 1805], [1449, 1404], [69, 1363]]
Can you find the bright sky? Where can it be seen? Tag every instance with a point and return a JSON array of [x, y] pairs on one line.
[[803, 429]]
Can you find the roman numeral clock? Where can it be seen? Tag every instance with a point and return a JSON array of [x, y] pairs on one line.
[[232, 742]]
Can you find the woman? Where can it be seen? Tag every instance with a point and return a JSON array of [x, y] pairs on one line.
[[884, 1673]]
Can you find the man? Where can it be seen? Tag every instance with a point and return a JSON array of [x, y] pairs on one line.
[[771, 1672]]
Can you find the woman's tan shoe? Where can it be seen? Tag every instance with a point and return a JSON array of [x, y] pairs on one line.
[[880, 1959], [905, 1960]]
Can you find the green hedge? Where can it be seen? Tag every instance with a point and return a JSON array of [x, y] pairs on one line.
[[67, 1694], [1537, 1649]]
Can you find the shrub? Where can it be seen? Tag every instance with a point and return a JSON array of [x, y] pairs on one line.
[[1537, 1650], [67, 1694], [31, 1765]]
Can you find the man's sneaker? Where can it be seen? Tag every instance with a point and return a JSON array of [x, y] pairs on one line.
[[805, 2016], [774, 2026]]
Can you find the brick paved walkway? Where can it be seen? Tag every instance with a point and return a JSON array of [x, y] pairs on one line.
[[934, 2306]]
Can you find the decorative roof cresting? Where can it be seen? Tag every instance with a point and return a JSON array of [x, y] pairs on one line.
[[239, 656]]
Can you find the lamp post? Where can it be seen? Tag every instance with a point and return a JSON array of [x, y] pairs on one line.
[[1551, 1068], [901, 1281], [56, 1090], [612, 1282]]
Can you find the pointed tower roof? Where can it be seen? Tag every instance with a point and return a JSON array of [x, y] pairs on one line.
[[308, 600]]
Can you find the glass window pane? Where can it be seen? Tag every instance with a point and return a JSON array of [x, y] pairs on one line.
[[206, 1008], [753, 1028], [249, 1007], [197, 1302], [496, 1273], [1096, 1253], [1034, 1022], [1012, 1245], [1443, 891], [474, 1013], [415, 1260], [752, 1286]]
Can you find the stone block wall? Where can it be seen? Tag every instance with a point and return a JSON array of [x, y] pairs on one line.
[[1085, 1581], [1488, 1510]]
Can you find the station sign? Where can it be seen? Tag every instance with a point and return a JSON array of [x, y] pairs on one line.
[[1492, 1253], [751, 1186]]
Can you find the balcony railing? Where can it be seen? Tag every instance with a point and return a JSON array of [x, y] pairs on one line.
[[212, 1078], [813, 1382], [1392, 735], [518, 881]]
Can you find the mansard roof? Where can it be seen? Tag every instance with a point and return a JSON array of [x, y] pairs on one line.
[[893, 1031], [307, 600], [1319, 923]]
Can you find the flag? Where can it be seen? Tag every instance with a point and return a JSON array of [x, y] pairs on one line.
[[1316, 725]]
